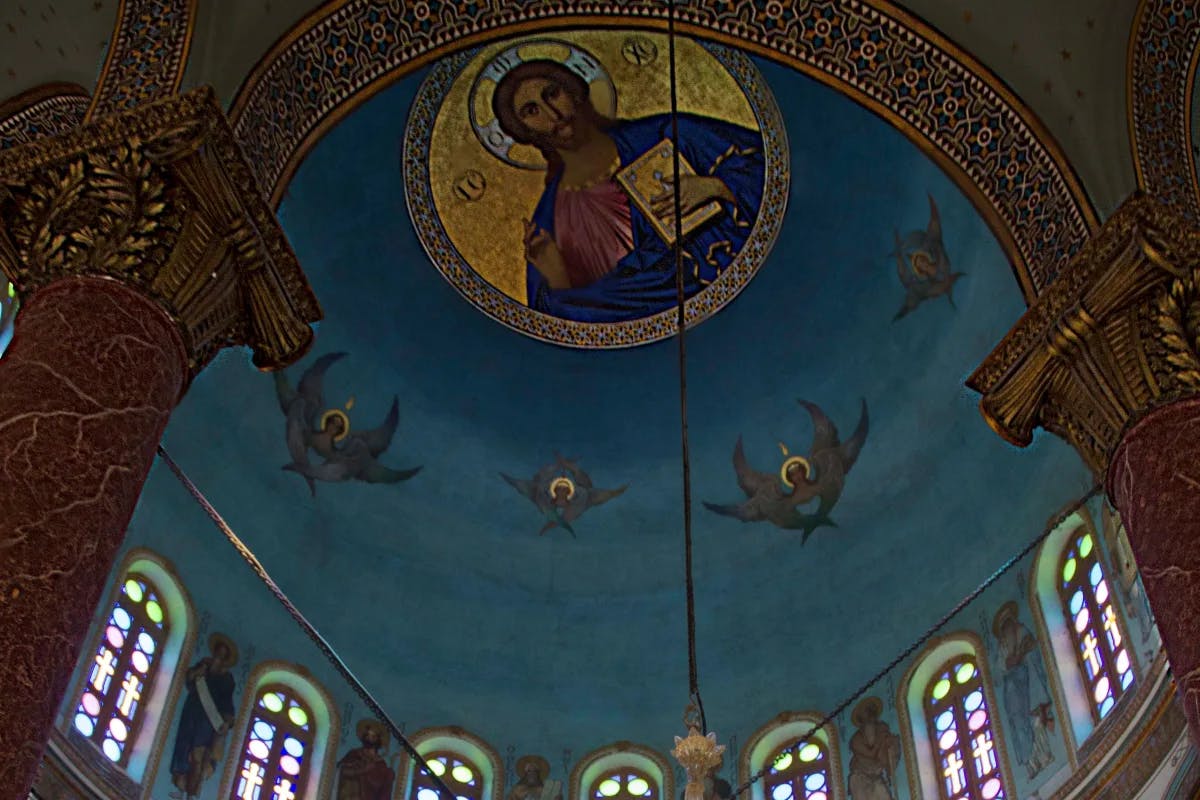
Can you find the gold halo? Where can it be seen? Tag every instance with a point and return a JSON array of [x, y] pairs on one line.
[[923, 265], [783, 471], [365, 725], [220, 638], [542, 765], [869, 706], [562, 480], [345, 418], [1003, 614]]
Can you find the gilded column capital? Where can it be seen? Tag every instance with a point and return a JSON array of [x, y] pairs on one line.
[[1116, 334], [160, 198]]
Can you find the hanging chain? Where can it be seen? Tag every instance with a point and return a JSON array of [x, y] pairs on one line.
[[326, 649]]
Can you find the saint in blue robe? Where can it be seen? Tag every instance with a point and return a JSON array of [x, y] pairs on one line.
[[643, 282]]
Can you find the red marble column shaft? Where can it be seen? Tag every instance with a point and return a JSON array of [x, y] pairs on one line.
[[90, 377], [1154, 480]]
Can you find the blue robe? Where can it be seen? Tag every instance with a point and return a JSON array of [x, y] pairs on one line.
[[195, 730], [643, 282]]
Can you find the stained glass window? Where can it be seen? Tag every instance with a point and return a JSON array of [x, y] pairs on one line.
[[960, 728], [123, 670], [623, 783], [1097, 631], [799, 772], [8, 310], [460, 776], [277, 748]]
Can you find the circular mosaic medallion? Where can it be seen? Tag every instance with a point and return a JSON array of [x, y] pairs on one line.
[[539, 175]]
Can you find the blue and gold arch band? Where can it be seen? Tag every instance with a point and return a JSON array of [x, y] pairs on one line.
[[941, 98], [476, 261]]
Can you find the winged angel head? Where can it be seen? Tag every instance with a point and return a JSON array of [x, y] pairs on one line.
[[344, 454]]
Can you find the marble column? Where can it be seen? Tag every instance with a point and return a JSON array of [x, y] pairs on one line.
[[139, 246], [1108, 358]]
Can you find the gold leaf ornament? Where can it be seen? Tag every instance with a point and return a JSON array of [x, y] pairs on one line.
[[1179, 323], [699, 755]]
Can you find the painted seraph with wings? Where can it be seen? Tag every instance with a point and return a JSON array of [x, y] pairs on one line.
[[922, 264], [777, 497], [562, 491], [312, 425]]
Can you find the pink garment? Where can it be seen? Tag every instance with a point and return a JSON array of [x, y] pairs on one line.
[[593, 230]]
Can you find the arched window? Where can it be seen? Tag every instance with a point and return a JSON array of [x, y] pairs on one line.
[[799, 772], [960, 728], [124, 669], [8, 310], [1095, 626], [287, 737], [793, 771], [620, 771], [277, 748], [625, 783], [460, 776]]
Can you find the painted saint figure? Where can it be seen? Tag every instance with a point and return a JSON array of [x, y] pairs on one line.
[[534, 782], [364, 774], [874, 753], [1026, 693], [592, 255], [206, 717]]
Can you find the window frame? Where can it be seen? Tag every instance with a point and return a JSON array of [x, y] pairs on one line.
[[653, 765], [462, 743], [784, 729]]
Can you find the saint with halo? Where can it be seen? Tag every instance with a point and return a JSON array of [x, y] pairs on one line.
[[598, 244]]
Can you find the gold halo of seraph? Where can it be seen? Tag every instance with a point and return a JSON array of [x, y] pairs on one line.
[[343, 416], [788, 464], [562, 480]]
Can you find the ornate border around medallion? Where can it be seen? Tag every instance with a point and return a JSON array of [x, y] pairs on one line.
[[592, 335], [47, 110], [892, 63], [1164, 53], [146, 55]]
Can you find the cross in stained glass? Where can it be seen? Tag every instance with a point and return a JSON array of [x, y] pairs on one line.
[[1091, 652], [253, 775], [954, 765], [131, 691], [983, 752], [283, 790], [1110, 625], [104, 662]]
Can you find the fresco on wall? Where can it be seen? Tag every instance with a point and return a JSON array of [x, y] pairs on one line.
[[874, 753], [412, 583], [533, 781], [549, 166], [1024, 690], [205, 718], [821, 476], [364, 773], [349, 455], [922, 264], [562, 491]]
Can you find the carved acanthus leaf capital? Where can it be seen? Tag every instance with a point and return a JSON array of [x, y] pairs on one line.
[[160, 198], [1116, 334]]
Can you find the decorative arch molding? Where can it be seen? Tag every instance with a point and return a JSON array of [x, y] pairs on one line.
[[919, 758], [1164, 52], [306, 687], [138, 779], [47, 110], [785, 728], [621, 754], [946, 102], [455, 740], [146, 55]]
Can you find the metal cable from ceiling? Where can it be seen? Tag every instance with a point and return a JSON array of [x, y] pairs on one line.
[[685, 451]]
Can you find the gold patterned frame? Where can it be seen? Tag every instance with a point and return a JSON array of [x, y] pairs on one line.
[[146, 55], [445, 737], [621, 754], [1164, 54], [989, 143], [299, 679], [792, 724], [951, 644], [592, 335], [162, 724], [46, 110]]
